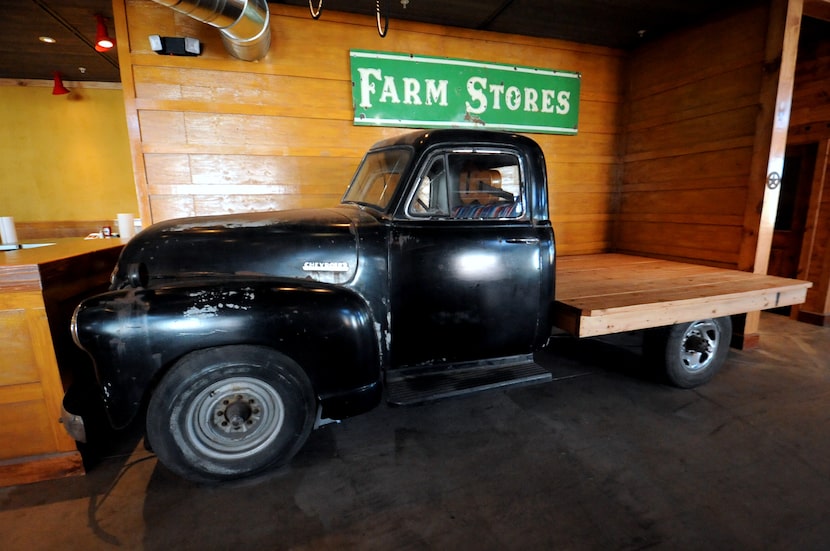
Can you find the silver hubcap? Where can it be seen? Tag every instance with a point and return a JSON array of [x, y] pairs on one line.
[[234, 418], [699, 344]]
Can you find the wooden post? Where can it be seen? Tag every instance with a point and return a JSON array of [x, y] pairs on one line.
[[769, 148], [133, 126]]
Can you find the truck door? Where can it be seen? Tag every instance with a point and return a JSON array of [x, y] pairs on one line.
[[466, 262]]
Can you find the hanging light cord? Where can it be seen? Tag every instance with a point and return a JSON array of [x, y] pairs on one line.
[[382, 19], [315, 14], [382, 30]]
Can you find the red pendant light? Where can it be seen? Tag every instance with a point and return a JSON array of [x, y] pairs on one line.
[[59, 89], [103, 41]]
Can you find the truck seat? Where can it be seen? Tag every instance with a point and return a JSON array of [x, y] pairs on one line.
[[480, 196], [501, 209]]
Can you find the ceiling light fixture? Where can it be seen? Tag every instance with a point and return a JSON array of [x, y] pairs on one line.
[[59, 89], [103, 42], [47, 39]]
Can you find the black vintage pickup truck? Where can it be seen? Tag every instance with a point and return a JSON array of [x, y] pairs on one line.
[[239, 334]]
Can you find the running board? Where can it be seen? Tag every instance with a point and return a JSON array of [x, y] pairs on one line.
[[416, 385]]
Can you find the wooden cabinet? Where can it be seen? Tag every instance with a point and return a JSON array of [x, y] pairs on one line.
[[39, 289]]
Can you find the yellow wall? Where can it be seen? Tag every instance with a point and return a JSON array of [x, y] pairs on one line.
[[64, 157]]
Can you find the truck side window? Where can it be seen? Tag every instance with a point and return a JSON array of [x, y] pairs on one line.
[[432, 195], [470, 186], [489, 186]]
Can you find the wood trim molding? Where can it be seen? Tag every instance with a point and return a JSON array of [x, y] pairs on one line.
[[31, 83], [822, 320], [28, 231], [46, 467]]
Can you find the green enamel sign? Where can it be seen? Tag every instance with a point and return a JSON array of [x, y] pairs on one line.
[[391, 89]]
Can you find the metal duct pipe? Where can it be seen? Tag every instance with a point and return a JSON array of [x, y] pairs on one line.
[[244, 24]]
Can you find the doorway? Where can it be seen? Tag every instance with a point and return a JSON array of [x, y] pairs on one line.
[[791, 217], [793, 203]]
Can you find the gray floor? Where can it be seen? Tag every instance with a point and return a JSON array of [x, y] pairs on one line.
[[602, 459]]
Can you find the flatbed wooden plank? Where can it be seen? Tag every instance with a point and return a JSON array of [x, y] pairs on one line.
[[657, 281], [612, 293], [641, 294]]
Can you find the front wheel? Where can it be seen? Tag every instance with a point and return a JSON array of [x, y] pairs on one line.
[[691, 352], [230, 412]]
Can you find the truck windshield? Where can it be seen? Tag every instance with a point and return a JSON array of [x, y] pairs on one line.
[[376, 180]]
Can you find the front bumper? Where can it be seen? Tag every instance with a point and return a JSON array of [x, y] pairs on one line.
[[73, 424]]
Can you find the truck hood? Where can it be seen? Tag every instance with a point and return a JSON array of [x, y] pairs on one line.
[[318, 244]]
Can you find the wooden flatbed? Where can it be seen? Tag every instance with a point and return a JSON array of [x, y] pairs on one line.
[[601, 294]]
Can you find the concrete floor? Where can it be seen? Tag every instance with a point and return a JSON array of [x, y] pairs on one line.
[[601, 459]]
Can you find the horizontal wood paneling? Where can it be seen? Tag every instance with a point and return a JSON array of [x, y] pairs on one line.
[[691, 115], [709, 203], [700, 130], [682, 240], [811, 97], [674, 169], [711, 93], [213, 134], [720, 48]]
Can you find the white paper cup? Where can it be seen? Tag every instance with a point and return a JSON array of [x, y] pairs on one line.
[[126, 225], [8, 233]]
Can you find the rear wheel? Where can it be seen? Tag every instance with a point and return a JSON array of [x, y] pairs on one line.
[[230, 412], [692, 352]]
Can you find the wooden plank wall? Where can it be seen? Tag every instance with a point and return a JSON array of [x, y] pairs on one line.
[[214, 134], [810, 123], [692, 110]]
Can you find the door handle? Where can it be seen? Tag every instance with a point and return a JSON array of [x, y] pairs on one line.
[[524, 240]]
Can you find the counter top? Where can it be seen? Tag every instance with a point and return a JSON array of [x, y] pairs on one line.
[[64, 247], [25, 269], [39, 290]]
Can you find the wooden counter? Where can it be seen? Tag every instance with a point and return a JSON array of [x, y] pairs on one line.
[[39, 289]]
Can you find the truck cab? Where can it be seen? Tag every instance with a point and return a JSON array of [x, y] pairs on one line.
[[469, 245]]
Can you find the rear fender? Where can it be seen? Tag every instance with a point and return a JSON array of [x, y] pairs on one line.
[[134, 335]]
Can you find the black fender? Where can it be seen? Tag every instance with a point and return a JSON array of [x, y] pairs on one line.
[[133, 335]]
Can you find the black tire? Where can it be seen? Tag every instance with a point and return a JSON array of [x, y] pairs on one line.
[[691, 353], [230, 412]]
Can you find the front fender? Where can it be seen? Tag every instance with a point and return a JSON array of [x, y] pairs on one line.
[[133, 335]]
